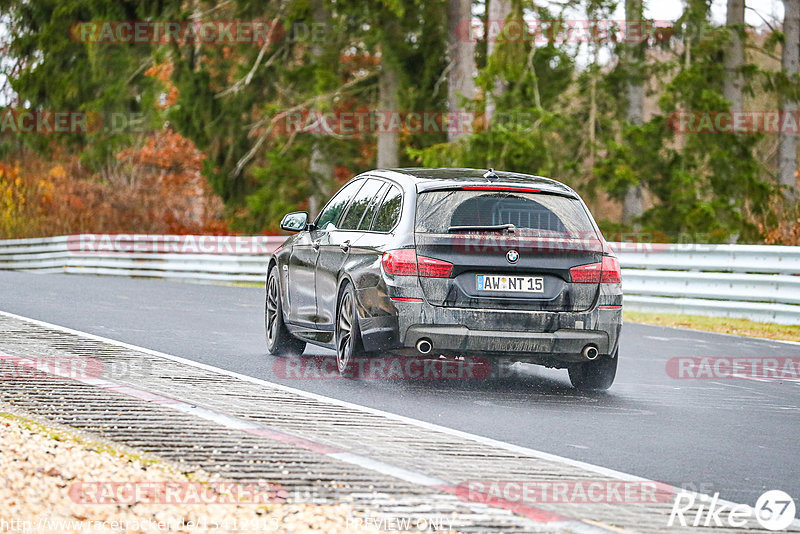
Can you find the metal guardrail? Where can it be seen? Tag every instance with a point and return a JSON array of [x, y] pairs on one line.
[[195, 258], [757, 282]]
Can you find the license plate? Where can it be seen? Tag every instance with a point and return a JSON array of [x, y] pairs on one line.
[[518, 284]]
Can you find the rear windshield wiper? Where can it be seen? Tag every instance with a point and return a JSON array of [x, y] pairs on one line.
[[483, 228]]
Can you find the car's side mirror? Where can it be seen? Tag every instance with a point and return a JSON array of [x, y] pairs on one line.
[[295, 221]]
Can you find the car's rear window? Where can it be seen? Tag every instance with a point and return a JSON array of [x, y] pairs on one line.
[[534, 214]]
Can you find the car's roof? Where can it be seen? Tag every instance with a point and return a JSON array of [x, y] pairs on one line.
[[427, 178]]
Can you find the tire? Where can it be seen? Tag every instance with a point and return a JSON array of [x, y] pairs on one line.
[[594, 376], [349, 346], [280, 342]]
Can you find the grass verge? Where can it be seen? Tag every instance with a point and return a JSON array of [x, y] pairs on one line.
[[723, 325]]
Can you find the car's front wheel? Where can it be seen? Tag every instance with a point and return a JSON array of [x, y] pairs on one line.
[[279, 340], [597, 375], [348, 335]]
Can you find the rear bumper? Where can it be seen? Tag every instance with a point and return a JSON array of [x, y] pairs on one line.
[[565, 345], [549, 337], [546, 337]]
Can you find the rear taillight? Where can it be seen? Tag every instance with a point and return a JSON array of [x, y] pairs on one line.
[[432, 268], [401, 262], [611, 273], [405, 262], [586, 274], [605, 272]]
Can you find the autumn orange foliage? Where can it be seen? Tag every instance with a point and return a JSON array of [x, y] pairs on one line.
[[163, 73], [157, 188], [14, 205], [786, 233], [787, 230]]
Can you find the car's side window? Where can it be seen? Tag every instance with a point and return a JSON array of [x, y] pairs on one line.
[[389, 212], [330, 215], [359, 204], [366, 220]]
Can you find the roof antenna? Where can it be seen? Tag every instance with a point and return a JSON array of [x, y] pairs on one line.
[[491, 175]]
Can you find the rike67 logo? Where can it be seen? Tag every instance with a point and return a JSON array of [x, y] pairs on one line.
[[774, 510]]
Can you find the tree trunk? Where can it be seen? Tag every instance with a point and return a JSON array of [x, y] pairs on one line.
[[734, 55], [634, 12], [499, 10], [787, 149], [388, 145], [321, 166], [461, 84], [321, 170], [593, 106]]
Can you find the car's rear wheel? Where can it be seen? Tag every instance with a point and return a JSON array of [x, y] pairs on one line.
[[348, 335], [594, 376], [279, 340]]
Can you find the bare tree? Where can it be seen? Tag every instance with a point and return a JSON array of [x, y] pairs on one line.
[[734, 55], [321, 166], [634, 13], [388, 86], [787, 142], [499, 10], [462, 60]]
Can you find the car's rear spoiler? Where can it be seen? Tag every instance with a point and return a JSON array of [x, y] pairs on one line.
[[499, 187]]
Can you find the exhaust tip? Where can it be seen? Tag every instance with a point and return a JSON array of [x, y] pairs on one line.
[[424, 346], [590, 352]]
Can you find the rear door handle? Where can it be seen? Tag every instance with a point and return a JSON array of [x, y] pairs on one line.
[[345, 246], [315, 244]]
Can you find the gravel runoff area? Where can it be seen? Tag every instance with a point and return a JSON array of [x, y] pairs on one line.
[[54, 480]]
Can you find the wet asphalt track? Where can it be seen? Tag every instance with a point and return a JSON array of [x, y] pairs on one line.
[[738, 437]]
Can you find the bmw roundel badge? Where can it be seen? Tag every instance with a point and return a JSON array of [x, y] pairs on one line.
[[512, 256]]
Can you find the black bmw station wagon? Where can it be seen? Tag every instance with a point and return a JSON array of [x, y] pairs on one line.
[[449, 263]]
